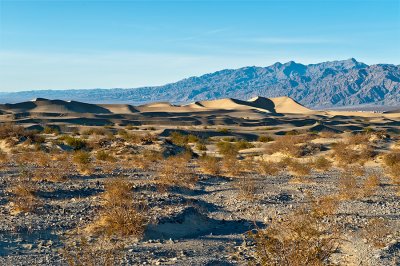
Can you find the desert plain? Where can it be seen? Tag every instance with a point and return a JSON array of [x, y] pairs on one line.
[[220, 182]]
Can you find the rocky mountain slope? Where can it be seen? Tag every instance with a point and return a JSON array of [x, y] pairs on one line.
[[327, 84]]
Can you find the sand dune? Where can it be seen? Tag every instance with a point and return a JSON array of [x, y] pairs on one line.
[[288, 105]]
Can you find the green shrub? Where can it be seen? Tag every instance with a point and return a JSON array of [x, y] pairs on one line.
[[75, 143], [264, 138], [227, 148]]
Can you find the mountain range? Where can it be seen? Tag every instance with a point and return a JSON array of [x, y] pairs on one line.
[[322, 85]]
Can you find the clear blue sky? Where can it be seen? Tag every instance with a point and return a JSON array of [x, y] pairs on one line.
[[104, 44]]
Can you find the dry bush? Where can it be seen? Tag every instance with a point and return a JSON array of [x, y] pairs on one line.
[[265, 138], [86, 252], [105, 156], [327, 134], [175, 171], [247, 188], [392, 158], [147, 159], [74, 143], [324, 206], [348, 186], [83, 161], [227, 149], [23, 193], [344, 153], [299, 239], [376, 232], [3, 156], [209, 165], [294, 145], [358, 139], [232, 166], [299, 169], [371, 184], [16, 134], [243, 144], [268, 168], [321, 163], [121, 214]]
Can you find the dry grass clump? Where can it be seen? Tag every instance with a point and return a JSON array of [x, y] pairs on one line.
[[344, 153], [105, 156], [23, 193], [232, 166], [121, 214], [324, 206], [83, 161], [74, 143], [15, 134], [321, 163], [247, 188], [147, 159], [349, 188], [294, 145], [265, 138], [227, 149], [209, 165], [182, 140], [175, 171], [376, 232], [85, 251], [371, 185], [268, 168], [392, 163], [299, 169], [300, 238]]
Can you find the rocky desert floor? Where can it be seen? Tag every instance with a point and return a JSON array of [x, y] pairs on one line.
[[297, 192]]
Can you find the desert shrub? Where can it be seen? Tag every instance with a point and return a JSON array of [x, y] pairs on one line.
[[121, 214], [297, 239], [232, 166], [327, 134], [268, 168], [376, 231], [371, 184], [105, 156], [51, 130], [243, 144], [96, 131], [324, 206], [10, 131], [299, 169], [227, 149], [147, 159], [348, 187], [265, 138], [230, 139], [175, 171], [358, 139], [321, 163], [223, 130], [75, 143], [82, 158], [247, 188], [3, 156], [209, 165], [201, 147], [295, 146], [179, 139], [392, 158], [84, 251], [24, 193], [344, 153], [292, 133]]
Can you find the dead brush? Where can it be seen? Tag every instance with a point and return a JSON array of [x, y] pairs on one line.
[[376, 231], [321, 163], [324, 206], [147, 159], [24, 194], [121, 214], [297, 239], [84, 251], [299, 170], [293, 145], [209, 165], [175, 171], [232, 166], [268, 168], [247, 188], [348, 186], [371, 184], [83, 161]]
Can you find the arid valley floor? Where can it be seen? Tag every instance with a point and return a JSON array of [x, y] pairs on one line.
[[223, 182]]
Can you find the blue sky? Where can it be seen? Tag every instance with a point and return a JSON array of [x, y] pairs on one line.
[[105, 44]]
